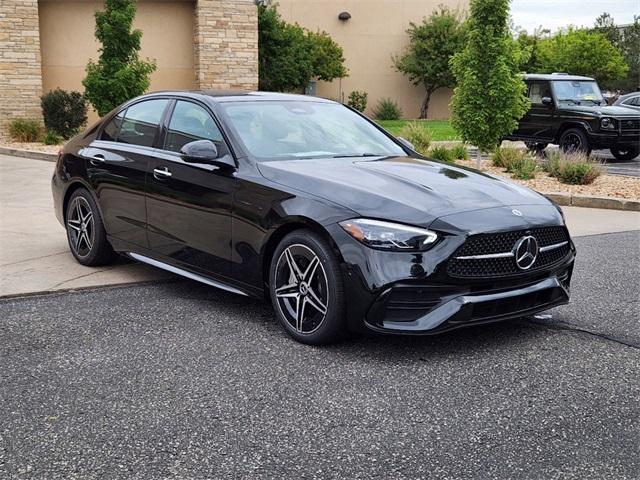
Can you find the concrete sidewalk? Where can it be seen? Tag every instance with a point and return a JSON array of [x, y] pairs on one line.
[[34, 256]]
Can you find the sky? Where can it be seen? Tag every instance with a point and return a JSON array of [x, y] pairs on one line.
[[554, 14]]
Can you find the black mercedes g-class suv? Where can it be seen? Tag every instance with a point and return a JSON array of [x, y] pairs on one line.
[[570, 111]]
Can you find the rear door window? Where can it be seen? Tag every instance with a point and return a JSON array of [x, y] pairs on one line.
[[141, 121]]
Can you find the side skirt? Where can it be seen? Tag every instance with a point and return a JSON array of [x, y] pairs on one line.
[[185, 273]]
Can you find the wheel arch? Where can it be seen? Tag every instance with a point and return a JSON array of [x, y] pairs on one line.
[[567, 125], [76, 184], [291, 224]]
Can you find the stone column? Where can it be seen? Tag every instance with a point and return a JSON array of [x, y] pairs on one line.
[[226, 44], [20, 63]]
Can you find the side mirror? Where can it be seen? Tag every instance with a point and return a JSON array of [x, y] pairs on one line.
[[205, 151], [200, 151], [406, 143], [547, 101]]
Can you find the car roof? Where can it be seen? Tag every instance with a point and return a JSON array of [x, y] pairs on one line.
[[622, 98], [555, 76], [220, 96]]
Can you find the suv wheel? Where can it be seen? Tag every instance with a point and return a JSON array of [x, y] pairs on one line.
[[306, 288], [574, 140], [535, 147], [85, 231], [628, 152]]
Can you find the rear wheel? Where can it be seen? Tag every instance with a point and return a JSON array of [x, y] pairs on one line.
[[306, 288], [628, 152], [574, 140], [85, 231]]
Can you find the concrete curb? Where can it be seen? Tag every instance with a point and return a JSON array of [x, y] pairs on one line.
[[565, 199], [31, 154], [577, 200]]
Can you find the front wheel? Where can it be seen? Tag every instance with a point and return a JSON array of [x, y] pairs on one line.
[[574, 140], [625, 153], [306, 288]]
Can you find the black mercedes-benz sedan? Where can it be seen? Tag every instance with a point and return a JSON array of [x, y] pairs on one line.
[[309, 203]]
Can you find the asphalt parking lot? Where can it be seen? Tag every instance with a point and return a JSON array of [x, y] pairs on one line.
[[177, 380]]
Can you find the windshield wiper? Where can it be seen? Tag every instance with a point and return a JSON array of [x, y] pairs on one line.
[[569, 100], [597, 102], [358, 155]]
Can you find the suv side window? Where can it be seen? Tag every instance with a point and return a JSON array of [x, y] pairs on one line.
[[191, 122], [141, 121], [539, 90]]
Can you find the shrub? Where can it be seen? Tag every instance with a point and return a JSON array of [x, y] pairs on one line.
[[503, 157], [573, 168], [418, 135], [358, 100], [25, 130], [523, 168], [460, 152], [442, 153], [64, 112], [52, 138], [387, 109]]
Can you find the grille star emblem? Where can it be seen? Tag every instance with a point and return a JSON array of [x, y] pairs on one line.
[[526, 252]]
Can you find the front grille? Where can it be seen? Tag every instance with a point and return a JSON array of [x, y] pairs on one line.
[[496, 243], [630, 125]]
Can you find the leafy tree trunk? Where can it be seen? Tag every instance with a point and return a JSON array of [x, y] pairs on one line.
[[424, 108]]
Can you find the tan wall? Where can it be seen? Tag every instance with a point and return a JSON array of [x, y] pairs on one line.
[[20, 83], [68, 42], [375, 32]]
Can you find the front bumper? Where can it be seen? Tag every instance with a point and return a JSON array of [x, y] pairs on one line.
[[474, 309], [603, 139]]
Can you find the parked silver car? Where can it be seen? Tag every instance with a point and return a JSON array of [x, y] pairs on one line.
[[631, 100]]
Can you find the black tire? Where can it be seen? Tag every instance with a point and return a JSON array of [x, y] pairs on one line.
[[536, 147], [85, 231], [625, 153], [324, 288], [574, 140]]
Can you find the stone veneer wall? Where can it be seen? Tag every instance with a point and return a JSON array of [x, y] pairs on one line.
[[225, 48], [20, 71], [226, 44]]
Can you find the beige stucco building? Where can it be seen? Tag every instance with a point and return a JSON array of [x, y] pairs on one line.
[[375, 32], [196, 44], [46, 44]]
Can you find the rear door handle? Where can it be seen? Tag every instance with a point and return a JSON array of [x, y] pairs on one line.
[[161, 173]]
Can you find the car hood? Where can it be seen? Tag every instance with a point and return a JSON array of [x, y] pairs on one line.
[[402, 189], [600, 110]]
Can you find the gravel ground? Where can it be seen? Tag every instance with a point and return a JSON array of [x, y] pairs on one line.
[[617, 186], [178, 380]]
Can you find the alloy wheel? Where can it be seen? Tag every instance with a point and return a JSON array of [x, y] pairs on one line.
[[572, 142], [301, 288], [81, 226]]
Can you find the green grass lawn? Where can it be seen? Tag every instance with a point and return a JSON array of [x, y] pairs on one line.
[[440, 129]]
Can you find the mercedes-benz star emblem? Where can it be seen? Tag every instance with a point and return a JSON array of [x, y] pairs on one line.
[[517, 213], [526, 251]]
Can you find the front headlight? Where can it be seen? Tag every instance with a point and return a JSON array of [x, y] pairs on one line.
[[607, 123], [389, 236]]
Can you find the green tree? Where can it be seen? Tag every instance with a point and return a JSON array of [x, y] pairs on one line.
[[291, 56], [490, 96], [630, 47], [119, 74], [581, 52], [529, 45], [427, 59], [606, 26]]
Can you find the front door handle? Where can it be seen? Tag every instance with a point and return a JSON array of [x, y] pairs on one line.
[[161, 173], [97, 159]]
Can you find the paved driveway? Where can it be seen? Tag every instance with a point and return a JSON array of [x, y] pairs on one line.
[[181, 381], [34, 256]]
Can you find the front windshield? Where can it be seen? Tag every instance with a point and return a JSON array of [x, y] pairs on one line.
[[577, 91], [293, 129]]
